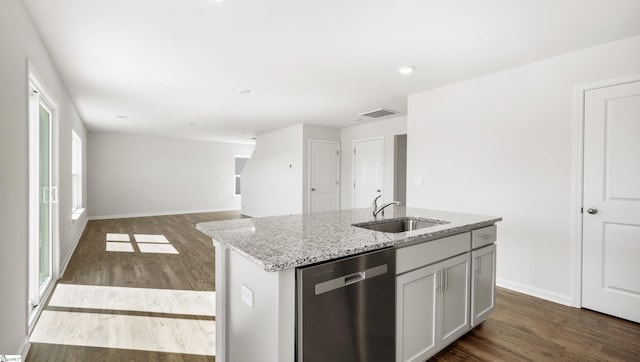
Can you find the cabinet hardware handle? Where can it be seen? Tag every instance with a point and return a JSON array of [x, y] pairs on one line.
[[446, 279]]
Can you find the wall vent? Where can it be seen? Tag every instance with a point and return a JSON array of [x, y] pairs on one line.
[[378, 113]]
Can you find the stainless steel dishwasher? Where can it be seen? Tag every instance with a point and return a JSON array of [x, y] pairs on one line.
[[346, 309]]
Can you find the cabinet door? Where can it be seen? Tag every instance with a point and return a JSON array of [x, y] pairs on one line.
[[416, 301], [454, 306], [483, 284]]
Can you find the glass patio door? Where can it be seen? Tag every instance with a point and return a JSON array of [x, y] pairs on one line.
[[43, 194], [47, 194]]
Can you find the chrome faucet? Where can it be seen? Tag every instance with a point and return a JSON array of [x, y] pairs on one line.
[[377, 210]]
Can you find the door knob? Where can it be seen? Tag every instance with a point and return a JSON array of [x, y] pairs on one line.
[[592, 210], [312, 189], [378, 190]]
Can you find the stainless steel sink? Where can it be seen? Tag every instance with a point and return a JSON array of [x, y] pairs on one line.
[[400, 225]]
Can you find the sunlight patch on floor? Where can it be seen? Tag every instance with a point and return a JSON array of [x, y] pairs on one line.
[[157, 248], [150, 238], [119, 246], [188, 302], [146, 243], [117, 237], [171, 335]]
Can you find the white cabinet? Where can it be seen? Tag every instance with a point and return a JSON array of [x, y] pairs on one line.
[[455, 297], [432, 308], [416, 307], [483, 283]]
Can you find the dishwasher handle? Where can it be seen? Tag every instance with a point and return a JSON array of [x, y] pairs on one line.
[[354, 278], [349, 279]]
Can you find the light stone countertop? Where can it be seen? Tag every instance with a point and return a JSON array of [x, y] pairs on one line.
[[282, 242]]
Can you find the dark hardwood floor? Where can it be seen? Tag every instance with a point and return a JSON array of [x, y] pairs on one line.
[[523, 328], [91, 264], [193, 270]]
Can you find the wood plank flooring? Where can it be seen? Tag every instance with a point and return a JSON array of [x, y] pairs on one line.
[[192, 269], [523, 328]]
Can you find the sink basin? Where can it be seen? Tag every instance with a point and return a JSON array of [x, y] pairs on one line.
[[400, 225]]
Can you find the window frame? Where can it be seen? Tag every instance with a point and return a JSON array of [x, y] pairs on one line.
[[238, 176], [76, 176]]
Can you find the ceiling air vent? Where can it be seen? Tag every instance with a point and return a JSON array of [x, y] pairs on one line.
[[378, 113]]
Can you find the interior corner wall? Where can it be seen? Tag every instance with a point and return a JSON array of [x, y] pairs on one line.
[[317, 133], [272, 178], [503, 144], [20, 42], [387, 129], [139, 175]]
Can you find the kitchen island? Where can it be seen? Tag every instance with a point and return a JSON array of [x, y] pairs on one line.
[[256, 260]]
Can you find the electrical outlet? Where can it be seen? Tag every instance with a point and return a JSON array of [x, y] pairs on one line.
[[247, 295], [418, 181]]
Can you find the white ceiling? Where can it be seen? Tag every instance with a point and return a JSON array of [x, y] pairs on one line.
[[172, 67]]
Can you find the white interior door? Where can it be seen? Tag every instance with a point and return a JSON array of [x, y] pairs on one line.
[[611, 218], [324, 176], [367, 171]]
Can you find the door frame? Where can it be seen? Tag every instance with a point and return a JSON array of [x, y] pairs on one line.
[[34, 81], [578, 177], [308, 186], [353, 167]]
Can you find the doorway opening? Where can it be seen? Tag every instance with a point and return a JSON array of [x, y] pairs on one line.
[[400, 169]]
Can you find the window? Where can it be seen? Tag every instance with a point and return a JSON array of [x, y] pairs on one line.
[[241, 161], [76, 175]]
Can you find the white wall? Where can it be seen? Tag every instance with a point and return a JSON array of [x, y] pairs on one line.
[[385, 128], [272, 179], [316, 133], [19, 41], [133, 175], [503, 144], [70, 230]]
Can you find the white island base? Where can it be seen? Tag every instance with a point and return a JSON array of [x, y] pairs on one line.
[[264, 331]]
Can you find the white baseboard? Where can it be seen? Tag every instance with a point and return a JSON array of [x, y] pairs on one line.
[[25, 349], [535, 292], [161, 213], [63, 267]]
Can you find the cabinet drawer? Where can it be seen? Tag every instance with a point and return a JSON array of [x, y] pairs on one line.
[[484, 236], [429, 252]]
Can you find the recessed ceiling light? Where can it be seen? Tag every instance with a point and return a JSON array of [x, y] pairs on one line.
[[192, 124], [243, 91], [121, 116], [406, 69]]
